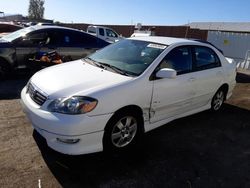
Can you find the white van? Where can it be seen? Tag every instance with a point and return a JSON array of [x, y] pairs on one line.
[[104, 33]]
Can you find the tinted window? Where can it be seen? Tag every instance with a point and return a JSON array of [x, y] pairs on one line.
[[110, 33], [87, 40], [179, 59], [101, 31], [78, 39], [92, 30], [53, 38], [205, 58], [36, 38]]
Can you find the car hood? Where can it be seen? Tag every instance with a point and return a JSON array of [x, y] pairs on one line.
[[75, 78]]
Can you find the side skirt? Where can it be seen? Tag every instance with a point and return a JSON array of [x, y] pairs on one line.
[[150, 126]]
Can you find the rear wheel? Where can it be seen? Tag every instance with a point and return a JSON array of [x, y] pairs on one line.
[[122, 131], [218, 100]]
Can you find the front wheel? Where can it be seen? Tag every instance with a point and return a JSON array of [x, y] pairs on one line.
[[122, 131], [218, 100]]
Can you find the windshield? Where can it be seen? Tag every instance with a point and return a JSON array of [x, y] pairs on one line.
[[130, 56], [19, 33]]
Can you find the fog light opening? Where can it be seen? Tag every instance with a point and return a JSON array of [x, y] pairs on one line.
[[68, 141]]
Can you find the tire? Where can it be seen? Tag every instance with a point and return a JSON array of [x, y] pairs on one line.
[[123, 131], [218, 100], [4, 70]]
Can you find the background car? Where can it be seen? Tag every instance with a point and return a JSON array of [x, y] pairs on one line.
[[8, 27], [104, 33], [18, 47]]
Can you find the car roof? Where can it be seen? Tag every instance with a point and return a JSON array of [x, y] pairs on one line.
[[163, 40], [37, 27], [98, 26]]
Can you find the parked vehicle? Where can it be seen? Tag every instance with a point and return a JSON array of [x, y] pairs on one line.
[[18, 47], [8, 27], [104, 33], [110, 98]]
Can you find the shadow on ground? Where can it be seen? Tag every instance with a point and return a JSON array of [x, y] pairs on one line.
[[11, 87], [203, 150]]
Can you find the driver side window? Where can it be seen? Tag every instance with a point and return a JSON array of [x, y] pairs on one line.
[[179, 59], [110, 33], [37, 38]]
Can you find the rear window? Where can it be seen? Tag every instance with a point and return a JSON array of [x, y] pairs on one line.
[[92, 30]]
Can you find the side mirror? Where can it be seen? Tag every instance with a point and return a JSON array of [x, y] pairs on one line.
[[166, 73]]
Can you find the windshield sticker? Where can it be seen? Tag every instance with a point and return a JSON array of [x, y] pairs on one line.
[[158, 46]]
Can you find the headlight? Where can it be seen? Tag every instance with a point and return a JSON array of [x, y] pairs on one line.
[[73, 105]]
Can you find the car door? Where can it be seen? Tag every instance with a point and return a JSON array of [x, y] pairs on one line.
[[173, 96], [208, 75], [28, 46], [101, 34], [52, 41], [76, 45]]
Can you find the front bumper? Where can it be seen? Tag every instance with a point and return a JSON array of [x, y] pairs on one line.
[[88, 143], [54, 126]]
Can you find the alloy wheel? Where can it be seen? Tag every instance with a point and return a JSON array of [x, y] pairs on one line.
[[124, 131], [218, 100]]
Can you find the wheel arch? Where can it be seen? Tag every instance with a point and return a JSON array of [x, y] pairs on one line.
[[225, 88], [130, 108]]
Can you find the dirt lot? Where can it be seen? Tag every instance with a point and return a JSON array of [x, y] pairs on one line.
[[203, 150]]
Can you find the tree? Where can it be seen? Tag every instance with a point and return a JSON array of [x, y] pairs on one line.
[[36, 9]]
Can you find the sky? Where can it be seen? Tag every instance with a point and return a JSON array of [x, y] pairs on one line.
[[147, 12]]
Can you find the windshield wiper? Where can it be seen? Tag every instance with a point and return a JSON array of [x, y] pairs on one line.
[[106, 65], [93, 62], [118, 70]]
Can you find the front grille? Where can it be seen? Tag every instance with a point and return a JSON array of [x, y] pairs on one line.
[[36, 95]]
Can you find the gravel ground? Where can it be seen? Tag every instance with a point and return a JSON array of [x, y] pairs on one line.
[[202, 150]]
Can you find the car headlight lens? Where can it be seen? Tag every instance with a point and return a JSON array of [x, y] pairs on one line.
[[73, 105]]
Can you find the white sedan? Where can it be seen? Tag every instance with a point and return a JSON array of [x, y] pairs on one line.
[[109, 99]]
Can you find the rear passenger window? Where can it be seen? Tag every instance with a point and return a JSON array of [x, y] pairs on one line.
[[179, 59], [205, 58], [78, 39]]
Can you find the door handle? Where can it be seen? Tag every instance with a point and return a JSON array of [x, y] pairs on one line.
[[191, 79]]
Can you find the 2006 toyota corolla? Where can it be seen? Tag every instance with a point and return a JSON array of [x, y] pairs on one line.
[[110, 98]]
